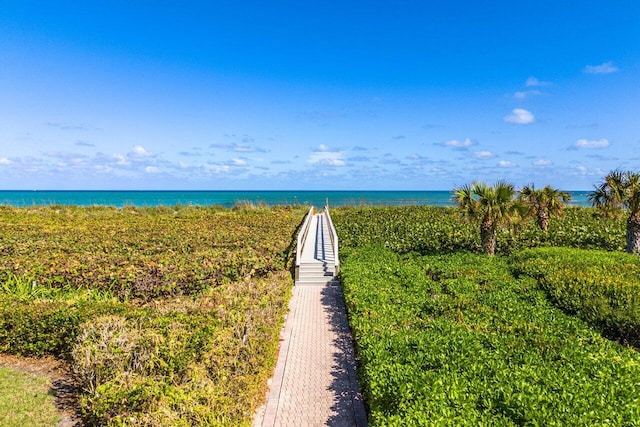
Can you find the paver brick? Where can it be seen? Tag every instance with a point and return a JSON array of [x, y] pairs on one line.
[[318, 384]]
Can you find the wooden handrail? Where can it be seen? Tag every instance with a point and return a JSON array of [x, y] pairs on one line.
[[334, 239], [302, 238]]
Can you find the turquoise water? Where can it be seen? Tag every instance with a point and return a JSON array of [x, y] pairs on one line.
[[232, 198]]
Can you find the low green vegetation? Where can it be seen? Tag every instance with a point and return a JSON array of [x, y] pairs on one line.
[[620, 191], [166, 316], [429, 229], [456, 339], [603, 288], [448, 336], [143, 252], [492, 205], [544, 203], [28, 403]]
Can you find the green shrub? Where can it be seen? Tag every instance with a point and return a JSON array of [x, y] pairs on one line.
[[46, 327], [168, 316], [430, 229], [457, 340], [148, 253], [199, 361], [601, 287]]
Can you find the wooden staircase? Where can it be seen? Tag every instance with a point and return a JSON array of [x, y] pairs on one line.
[[316, 261]]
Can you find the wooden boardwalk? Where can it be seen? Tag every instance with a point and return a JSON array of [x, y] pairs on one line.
[[315, 382]]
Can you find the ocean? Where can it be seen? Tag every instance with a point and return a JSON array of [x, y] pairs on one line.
[[233, 198]]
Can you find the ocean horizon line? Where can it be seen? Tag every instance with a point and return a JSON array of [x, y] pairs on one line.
[[231, 198]]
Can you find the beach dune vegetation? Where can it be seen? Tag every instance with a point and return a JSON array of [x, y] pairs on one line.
[[493, 205], [543, 203], [457, 339], [621, 190], [165, 316]]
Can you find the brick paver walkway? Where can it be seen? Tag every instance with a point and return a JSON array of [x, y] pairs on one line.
[[315, 382]]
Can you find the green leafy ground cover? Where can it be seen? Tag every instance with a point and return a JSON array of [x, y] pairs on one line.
[[601, 287], [429, 229], [167, 316], [456, 339], [447, 337]]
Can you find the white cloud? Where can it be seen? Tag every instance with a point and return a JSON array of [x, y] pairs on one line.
[[459, 144], [139, 151], [121, 160], [239, 148], [598, 143], [534, 82], [580, 170], [520, 116], [506, 164], [324, 156], [542, 162], [605, 68], [483, 155], [242, 148], [5, 161], [151, 169], [238, 162], [526, 94]]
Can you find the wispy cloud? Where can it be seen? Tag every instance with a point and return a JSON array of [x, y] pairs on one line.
[[587, 143], [323, 155], [139, 152], [359, 159], [506, 164], [526, 94], [602, 158], [84, 144], [542, 162], [239, 148], [604, 68], [520, 116], [483, 154], [534, 82], [459, 144]]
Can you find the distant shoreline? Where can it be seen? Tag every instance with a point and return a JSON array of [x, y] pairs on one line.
[[228, 198]]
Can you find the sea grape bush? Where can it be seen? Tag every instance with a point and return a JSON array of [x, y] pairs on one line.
[[601, 287], [167, 316], [430, 229], [201, 361], [143, 252], [456, 339]]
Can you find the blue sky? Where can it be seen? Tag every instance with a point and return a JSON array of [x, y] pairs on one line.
[[408, 95]]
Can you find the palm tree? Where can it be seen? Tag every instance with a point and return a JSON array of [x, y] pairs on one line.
[[544, 203], [493, 205], [621, 190]]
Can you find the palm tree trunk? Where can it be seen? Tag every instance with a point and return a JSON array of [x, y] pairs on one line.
[[633, 233], [488, 236], [543, 219]]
